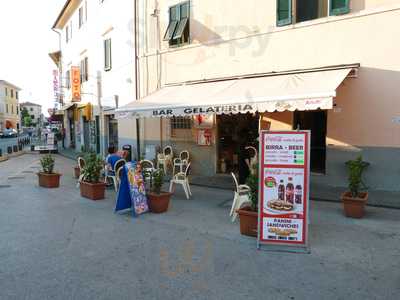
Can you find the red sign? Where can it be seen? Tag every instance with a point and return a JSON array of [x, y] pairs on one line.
[[76, 84], [284, 179]]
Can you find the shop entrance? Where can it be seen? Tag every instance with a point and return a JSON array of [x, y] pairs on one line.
[[316, 121], [235, 131]]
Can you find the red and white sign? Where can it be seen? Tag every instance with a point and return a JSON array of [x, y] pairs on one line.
[[76, 84], [204, 137], [284, 180]]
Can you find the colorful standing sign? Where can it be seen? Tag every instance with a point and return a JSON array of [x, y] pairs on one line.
[[76, 84], [284, 189]]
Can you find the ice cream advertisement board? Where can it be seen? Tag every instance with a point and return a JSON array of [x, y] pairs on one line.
[[284, 190]]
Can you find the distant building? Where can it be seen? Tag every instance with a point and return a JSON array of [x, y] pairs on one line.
[[34, 111], [9, 107]]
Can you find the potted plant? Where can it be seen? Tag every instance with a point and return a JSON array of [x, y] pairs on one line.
[[158, 201], [248, 215], [47, 178], [91, 187], [354, 200]]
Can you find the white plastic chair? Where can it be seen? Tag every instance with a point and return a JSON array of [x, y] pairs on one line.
[[147, 169], [182, 161], [182, 179], [164, 160], [81, 165], [118, 175], [113, 177], [241, 197], [253, 160]]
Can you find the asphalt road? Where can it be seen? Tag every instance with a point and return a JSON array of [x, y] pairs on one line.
[[56, 245]]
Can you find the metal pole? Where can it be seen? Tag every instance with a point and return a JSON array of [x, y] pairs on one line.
[[137, 79]]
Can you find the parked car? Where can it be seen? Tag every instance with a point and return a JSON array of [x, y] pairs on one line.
[[9, 133]]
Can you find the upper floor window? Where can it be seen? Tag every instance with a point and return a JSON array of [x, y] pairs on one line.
[[294, 11], [107, 55], [84, 70], [17, 110], [12, 109], [68, 79], [6, 91], [31, 109], [6, 108], [178, 31], [67, 37], [12, 93], [16, 95], [82, 14]]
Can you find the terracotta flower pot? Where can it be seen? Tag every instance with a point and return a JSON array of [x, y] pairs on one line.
[[248, 221], [354, 207], [93, 191], [77, 172], [158, 203], [49, 180]]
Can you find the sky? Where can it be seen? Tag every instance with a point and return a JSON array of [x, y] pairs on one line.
[[26, 40]]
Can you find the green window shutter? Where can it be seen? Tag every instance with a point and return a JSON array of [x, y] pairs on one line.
[[339, 7], [284, 12]]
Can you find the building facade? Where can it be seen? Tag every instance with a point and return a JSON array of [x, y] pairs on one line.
[[9, 106], [200, 42], [35, 112], [97, 46]]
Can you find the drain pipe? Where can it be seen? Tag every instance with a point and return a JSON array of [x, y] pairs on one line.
[[137, 94]]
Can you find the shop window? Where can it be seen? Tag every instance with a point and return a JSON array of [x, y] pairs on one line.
[[294, 11], [178, 31], [107, 55]]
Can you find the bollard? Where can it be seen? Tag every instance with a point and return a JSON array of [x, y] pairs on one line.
[[20, 146], [15, 148], [9, 149], [1, 152]]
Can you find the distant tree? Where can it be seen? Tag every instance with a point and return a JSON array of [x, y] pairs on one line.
[[24, 116], [27, 121]]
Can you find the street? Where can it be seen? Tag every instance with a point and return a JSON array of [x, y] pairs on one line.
[[57, 245]]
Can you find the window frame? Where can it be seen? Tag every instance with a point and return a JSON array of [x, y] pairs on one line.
[[175, 22], [84, 68], [292, 18], [181, 123], [107, 55]]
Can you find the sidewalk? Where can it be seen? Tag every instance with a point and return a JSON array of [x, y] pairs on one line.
[[61, 246]]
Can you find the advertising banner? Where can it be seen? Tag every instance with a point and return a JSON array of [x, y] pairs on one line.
[[284, 189], [76, 84]]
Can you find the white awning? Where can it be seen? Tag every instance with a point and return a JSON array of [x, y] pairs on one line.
[[294, 91]]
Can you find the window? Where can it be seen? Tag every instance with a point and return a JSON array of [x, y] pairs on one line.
[[84, 70], [67, 38], [181, 123], [178, 31], [12, 109], [68, 79], [107, 55], [12, 93], [31, 109], [6, 108], [294, 11], [6, 91], [17, 110], [16, 95], [32, 117], [81, 20]]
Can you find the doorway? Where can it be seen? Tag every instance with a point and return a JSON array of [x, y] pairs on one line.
[[233, 131], [316, 121]]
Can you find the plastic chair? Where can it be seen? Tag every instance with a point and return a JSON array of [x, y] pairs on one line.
[[164, 159], [182, 161], [81, 165], [182, 179], [147, 169], [118, 176], [253, 160], [241, 197]]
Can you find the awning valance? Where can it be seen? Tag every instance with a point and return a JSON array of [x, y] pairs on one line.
[[295, 91]]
